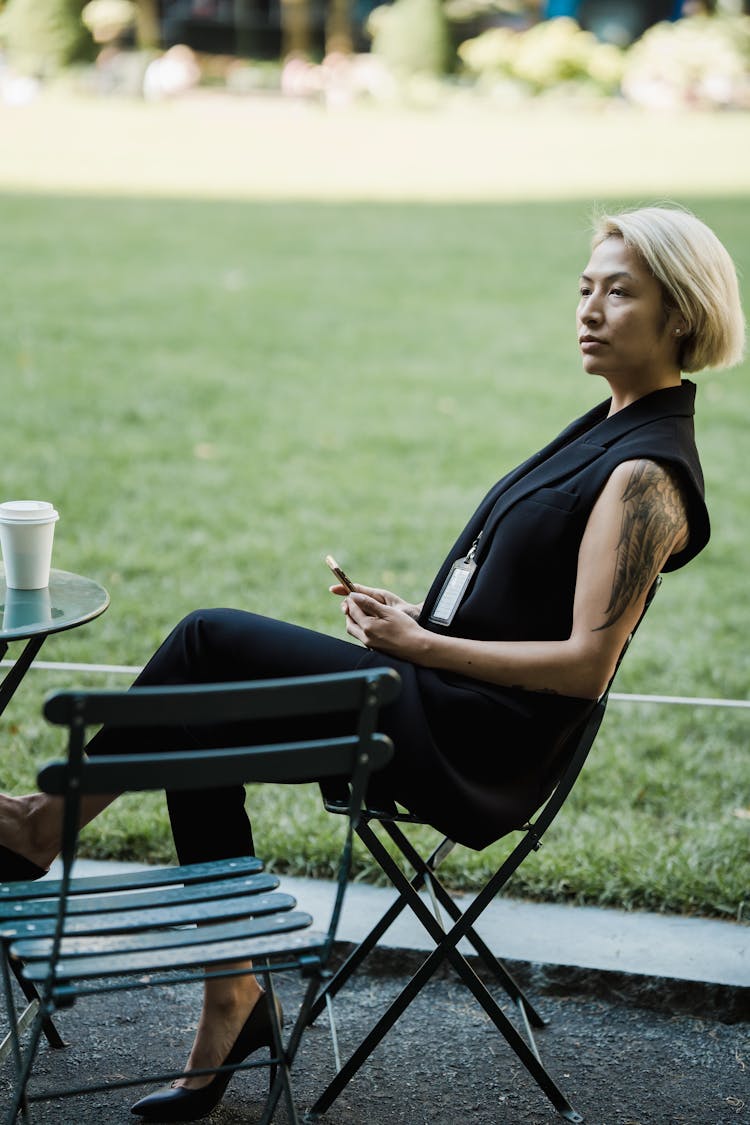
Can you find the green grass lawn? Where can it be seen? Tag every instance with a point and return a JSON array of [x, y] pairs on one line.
[[217, 393]]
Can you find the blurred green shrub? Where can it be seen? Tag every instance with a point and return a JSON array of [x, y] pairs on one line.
[[43, 36], [703, 61], [412, 38], [549, 54]]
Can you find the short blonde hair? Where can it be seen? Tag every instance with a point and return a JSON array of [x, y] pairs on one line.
[[697, 275]]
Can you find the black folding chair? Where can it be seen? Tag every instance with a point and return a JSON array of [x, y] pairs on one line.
[[571, 757], [77, 936]]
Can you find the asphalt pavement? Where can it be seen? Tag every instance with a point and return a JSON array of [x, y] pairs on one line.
[[648, 1024]]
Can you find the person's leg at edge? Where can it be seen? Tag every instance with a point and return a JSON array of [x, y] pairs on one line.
[[207, 646]]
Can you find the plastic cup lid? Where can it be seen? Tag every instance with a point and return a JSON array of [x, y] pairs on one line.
[[19, 511]]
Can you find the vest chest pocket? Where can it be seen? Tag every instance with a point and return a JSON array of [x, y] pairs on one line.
[[555, 498]]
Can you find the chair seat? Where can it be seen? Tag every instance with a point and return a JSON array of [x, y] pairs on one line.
[[240, 948], [83, 903], [134, 909], [178, 926], [131, 880], [135, 920]]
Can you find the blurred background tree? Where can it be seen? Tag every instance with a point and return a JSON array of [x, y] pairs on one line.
[[295, 28], [412, 37], [339, 38], [147, 29], [668, 53], [42, 37]]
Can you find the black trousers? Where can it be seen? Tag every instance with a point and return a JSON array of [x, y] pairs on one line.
[[222, 645]]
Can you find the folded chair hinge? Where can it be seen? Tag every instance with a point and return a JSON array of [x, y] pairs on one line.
[[63, 996], [309, 965]]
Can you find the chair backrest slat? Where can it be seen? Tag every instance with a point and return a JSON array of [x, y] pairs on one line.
[[358, 694], [282, 762], [192, 704]]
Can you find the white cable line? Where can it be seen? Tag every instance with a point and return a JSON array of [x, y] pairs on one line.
[[53, 666], [688, 700], [133, 670]]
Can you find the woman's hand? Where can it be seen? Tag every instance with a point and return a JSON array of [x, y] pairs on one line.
[[385, 597], [387, 626]]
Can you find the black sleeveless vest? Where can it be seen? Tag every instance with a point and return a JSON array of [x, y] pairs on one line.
[[495, 747], [533, 520], [474, 758]]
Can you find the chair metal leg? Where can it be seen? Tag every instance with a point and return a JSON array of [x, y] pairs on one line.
[[424, 870], [32, 997], [286, 1055], [12, 1042], [22, 1023], [358, 955], [282, 1084], [368, 943], [371, 1040], [493, 964], [445, 950], [526, 1052], [18, 1103], [396, 1009]]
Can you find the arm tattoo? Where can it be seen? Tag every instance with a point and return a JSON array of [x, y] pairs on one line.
[[653, 515]]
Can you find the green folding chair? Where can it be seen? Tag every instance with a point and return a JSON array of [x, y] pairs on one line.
[[571, 755], [77, 936]]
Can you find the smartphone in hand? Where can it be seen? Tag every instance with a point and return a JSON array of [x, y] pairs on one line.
[[342, 577]]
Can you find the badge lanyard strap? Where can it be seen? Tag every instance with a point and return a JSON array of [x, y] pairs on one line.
[[455, 586]]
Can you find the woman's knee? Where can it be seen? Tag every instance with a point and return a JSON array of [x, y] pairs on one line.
[[197, 650], [199, 626], [207, 641]]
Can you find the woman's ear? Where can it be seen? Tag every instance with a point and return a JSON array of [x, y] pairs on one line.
[[678, 326]]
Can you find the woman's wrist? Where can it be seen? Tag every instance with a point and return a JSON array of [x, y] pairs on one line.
[[427, 648]]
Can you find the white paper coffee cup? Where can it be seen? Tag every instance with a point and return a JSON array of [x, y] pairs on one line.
[[27, 528]]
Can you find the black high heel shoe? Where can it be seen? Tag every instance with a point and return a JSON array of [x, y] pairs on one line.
[[176, 1103], [16, 868]]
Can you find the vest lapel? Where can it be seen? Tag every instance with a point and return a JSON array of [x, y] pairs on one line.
[[580, 444]]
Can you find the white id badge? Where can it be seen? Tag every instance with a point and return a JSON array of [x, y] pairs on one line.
[[452, 593]]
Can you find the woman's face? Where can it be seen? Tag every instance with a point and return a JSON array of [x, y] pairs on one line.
[[624, 331]]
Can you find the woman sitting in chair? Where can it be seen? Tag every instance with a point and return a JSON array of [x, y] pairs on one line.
[[524, 623]]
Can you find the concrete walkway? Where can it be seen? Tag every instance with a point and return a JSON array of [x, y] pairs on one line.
[[695, 965]]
